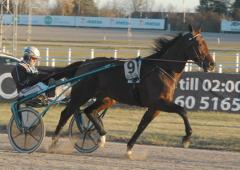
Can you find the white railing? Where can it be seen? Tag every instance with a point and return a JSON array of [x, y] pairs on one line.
[[226, 62], [220, 67], [51, 60]]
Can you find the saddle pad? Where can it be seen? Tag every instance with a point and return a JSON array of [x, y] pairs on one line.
[[132, 70]]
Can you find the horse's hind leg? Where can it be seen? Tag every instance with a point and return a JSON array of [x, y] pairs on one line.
[[65, 115], [148, 116], [172, 107], [92, 114]]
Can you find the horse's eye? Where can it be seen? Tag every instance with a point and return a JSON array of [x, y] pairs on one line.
[[212, 64]]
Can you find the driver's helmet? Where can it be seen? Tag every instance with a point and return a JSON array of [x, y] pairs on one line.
[[30, 52]]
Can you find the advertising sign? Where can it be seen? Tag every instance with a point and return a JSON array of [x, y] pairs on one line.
[[209, 92]]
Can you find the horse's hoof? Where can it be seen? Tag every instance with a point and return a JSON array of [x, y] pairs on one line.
[[52, 148], [102, 141], [129, 154], [186, 142]]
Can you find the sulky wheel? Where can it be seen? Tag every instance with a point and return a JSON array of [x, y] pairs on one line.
[[83, 134], [29, 137]]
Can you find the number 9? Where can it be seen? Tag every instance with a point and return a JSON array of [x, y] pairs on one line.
[[130, 66]]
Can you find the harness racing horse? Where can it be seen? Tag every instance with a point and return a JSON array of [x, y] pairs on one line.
[[160, 73]]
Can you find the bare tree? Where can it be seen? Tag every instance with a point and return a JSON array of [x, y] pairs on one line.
[[138, 5], [23, 6], [142, 5], [115, 9], [171, 8], [66, 7], [39, 7]]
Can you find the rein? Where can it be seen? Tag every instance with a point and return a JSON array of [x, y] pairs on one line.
[[107, 60], [85, 63], [148, 59]]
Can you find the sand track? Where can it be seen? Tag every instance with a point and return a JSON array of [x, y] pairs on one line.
[[112, 157]]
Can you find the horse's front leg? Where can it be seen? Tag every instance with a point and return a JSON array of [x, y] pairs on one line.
[[186, 139]]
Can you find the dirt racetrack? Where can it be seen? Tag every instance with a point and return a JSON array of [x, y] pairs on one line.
[[112, 157]]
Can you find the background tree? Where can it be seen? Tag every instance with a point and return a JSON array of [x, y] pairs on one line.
[[236, 10], [203, 6], [87, 7], [220, 7], [115, 9], [63, 7], [38, 7], [75, 7], [138, 5], [211, 12]]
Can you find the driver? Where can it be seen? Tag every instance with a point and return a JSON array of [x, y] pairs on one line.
[[25, 74]]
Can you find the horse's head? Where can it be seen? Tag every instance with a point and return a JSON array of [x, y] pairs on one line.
[[197, 49]]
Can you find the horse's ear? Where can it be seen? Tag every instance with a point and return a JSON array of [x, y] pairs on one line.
[[194, 30], [199, 29], [190, 28]]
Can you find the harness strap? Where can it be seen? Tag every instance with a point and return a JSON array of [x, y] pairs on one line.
[[166, 74], [195, 36], [136, 94], [135, 89]]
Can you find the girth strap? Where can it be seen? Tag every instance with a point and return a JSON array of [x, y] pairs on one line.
[[136, 93]]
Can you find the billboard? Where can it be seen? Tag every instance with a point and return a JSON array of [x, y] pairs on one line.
[[81, 21], [230, 26], [209, 92]]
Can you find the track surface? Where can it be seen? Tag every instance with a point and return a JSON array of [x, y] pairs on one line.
[[112, 157], [76, 34]]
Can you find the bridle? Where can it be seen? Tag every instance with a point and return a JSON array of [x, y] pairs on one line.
[[199, 60]]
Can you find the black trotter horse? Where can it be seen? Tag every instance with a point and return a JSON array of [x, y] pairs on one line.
[[160, 73]]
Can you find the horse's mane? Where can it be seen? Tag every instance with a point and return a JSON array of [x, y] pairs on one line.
[[161, 45]]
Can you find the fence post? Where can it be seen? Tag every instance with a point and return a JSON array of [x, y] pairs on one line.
[[53, 62], [4, 49], [218, 40], [69, 55], [220, 70], [237, 62], [92, 53], [104, 38], [47, 56], [138, 53], [186, 67], [115, 54], [214, 56], [47, 61], [190, 67]]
